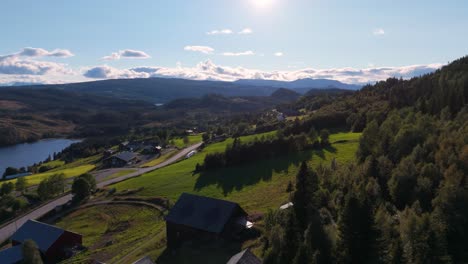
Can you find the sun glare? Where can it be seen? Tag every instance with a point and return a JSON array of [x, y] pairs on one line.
[[262, 4]]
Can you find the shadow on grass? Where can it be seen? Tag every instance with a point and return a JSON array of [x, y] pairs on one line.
[[321, 152], [236, 178], [216, 252]]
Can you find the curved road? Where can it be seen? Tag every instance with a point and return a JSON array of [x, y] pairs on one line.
[[8, 229]]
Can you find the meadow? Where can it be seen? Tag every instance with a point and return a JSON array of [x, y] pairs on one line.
[[111, 232], [256, 186], [68, 172]]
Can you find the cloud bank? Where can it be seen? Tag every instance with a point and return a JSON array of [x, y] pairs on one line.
[[208, 70], [30, 66]]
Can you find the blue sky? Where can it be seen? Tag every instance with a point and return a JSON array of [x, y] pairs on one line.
[[343, 40]]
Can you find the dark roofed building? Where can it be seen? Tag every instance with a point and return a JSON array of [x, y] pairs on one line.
[[13, 255], [244, 257], [121, 159], [199, 217], [53, 242]]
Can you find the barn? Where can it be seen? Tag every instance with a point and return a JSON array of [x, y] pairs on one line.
[[13, 255], [195, 217], [54, 243]]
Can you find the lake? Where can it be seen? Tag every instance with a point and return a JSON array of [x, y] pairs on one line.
[[26, 154]]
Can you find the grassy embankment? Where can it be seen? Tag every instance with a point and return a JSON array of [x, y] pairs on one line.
[[160, 159], [112, 231]]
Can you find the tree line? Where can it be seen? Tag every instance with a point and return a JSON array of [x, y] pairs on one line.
[[266, 147]]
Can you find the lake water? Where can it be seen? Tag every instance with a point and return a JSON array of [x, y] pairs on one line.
[[26, 154]]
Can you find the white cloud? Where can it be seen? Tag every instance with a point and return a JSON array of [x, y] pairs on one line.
[[278, 54], [378, 32], [235, 54], [220, 32], [38, 52], [128, 53], [245, 31], [23, 62], [107, 72], [207, 70], [202, 49]]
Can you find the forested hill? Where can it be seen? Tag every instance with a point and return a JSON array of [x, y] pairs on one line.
[[446, 89], [164, 90], [404, 200]]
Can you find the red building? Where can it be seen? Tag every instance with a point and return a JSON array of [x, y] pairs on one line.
[[54, 243]]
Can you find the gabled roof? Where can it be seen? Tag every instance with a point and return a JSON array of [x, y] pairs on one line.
[[203, 213], [244, 257], [11, 255], [43, 234], [125, 156]]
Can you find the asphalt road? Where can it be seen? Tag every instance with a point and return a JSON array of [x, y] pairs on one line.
[[8, 229]]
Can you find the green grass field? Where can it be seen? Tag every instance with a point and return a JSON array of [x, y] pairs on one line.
[[257, 186], [111, 232], [193, 139], [35, 179], [54, 163]]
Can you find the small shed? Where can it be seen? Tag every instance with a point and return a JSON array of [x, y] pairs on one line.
[[53, 242], [244, 257], [13, 255], [195, 217]]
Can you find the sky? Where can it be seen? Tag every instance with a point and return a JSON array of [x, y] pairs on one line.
[[359, 41]]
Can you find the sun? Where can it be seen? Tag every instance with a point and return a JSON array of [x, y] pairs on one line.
[[262, 4]]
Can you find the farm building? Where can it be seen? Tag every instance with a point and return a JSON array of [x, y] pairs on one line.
[[121, 159], [13, 255], [196, 217], [244, 257], [54, 243]]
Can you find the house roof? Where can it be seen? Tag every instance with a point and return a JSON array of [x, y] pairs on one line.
[[203, 213], [11, 255], [43, 234], [125, 156], [244, 257]]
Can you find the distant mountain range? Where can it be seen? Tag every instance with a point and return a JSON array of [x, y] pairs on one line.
[[301, 84], [163, 90]]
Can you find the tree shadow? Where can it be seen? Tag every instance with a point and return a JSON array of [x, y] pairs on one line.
[[321, 152], [238, 177]]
